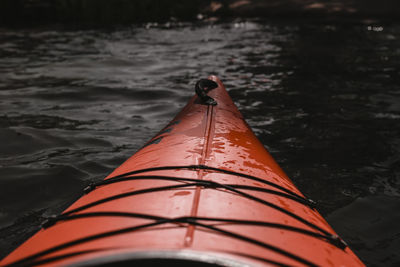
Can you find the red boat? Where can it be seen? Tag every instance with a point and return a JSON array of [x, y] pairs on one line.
[[204, 191]]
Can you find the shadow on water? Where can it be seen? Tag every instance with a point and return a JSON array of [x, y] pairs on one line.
[[323, 97]]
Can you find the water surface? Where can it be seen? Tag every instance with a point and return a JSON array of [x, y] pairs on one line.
[[324, 98]]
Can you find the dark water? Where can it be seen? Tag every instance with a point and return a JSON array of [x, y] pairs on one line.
[[324, 98]]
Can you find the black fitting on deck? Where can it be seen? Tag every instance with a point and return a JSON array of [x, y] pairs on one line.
[[338, 242], [89, 188], [202, 87], [50, 221]]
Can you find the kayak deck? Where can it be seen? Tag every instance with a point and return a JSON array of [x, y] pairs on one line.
[[204, 190]]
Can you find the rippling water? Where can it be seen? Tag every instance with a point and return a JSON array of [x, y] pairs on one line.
[[324, 98]]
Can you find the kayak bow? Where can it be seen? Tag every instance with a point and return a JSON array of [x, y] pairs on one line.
[[204, 191]]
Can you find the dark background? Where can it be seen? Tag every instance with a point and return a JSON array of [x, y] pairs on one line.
[[22, 12]]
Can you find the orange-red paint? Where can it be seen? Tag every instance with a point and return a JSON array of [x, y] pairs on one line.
[[214, 136]]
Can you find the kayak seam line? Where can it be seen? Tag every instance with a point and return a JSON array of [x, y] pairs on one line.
[[188, 239]]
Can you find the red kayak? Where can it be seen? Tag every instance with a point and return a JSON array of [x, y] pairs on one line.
[[203, 191]]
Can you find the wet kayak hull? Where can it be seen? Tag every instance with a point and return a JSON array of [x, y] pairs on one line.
[[203, 191]]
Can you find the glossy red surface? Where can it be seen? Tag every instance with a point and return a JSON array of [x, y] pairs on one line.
[[215, 136]]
